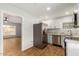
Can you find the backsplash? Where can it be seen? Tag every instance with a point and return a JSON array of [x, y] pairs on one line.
[[71, 32], [75, 32]]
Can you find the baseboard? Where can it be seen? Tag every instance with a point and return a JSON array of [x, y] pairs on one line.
[[57, 45], [27, 47], [7, 37]]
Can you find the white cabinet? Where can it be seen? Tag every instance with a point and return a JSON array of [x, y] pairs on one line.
[[72, 47], [62, 41]]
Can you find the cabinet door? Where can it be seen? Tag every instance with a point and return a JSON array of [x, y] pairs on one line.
[[50, 38], [56, 40], [62, 41]]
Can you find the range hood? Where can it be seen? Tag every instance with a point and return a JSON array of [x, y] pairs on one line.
[[76, 25]]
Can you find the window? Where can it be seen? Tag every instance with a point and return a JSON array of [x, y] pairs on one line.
[[9, 30], [68, 25]]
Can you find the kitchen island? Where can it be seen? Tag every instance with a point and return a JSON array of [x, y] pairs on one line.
[[72, 46]]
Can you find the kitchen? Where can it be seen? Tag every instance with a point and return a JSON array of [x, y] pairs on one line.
[[61, 32], [65, 33]]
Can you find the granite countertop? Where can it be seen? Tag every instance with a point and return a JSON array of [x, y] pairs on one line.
[[73, 38], [51, 33]]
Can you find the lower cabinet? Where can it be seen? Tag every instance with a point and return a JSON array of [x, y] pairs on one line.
[[49, 39], [71, 47], [62, 41], [59, 40]]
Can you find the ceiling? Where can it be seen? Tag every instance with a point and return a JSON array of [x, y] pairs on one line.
[[39, 9]]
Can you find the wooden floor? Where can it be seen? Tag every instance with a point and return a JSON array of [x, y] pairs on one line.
[[12, 48]]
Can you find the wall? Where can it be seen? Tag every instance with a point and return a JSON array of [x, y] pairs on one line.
[[27, 23], [59, 21], [1, 35]]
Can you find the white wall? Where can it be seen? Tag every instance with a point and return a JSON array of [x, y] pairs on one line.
[[27, 24], [49, 23], [1, 35], [59, 21]]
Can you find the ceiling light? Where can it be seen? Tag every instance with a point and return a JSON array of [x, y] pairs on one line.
[[6, 19], [75, 11], [48, 8], [67, 13]]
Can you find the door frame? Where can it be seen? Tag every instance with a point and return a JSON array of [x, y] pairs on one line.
[[13, 14]]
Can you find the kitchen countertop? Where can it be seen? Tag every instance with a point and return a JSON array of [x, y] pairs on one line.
[[64, 32], [69, 35], [72, 40]]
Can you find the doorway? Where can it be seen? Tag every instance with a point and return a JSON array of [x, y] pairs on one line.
[[12, 34]]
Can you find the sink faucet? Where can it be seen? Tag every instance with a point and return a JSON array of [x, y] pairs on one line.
[[70, 31]]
